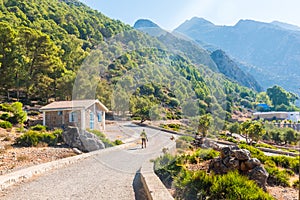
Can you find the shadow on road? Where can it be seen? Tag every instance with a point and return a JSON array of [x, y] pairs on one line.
[[138, 188]]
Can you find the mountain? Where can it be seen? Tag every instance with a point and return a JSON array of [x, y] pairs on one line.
[[286, 26], [271, 51], [220, 63], [230, 68]]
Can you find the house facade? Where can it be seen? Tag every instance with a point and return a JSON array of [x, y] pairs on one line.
[[84, 114], [293, 116]]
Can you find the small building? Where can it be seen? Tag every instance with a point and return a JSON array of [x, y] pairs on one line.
[[293, 116], [84, 114]]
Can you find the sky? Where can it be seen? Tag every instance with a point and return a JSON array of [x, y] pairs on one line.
[[169, 14]]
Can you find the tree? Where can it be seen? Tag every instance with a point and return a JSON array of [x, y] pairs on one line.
[[278, 95], [8, 57], [234, 128], [256, 130], [244, 129], [290, 136], [140, 107], [204, 124], [40, 59]]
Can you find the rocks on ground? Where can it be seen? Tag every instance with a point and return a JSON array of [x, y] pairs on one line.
[[233, 158], [82, 140]]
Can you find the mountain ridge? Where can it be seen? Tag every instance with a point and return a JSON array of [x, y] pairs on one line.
[[268, 46]]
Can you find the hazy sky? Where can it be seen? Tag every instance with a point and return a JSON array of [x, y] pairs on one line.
[[171, 13]]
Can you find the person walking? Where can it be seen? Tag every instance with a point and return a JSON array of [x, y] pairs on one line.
[[144, 138]]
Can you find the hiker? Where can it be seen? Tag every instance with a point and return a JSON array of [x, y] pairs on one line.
[[144, 138]]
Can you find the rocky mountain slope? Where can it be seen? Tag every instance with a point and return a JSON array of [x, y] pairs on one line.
[[272, 50]]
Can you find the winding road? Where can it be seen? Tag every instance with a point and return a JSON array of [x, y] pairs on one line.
[[108, 175]]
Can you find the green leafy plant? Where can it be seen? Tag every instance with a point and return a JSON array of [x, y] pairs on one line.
[[38, 127], [33, 138], [5, 124]]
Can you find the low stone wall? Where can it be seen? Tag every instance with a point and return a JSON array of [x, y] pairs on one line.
[[152, 185]]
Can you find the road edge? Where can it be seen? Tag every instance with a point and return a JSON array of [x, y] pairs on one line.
[[21, 175]]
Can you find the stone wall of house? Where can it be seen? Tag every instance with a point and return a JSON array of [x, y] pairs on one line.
[[55, 120], [97, 125]]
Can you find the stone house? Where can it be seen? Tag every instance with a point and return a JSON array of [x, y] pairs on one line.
[[84, 114]]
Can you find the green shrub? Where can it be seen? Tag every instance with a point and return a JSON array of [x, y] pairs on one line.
[[265, 145], [206, 154], [30, 138], [33, 138], [19, 116], [234, 186], [200, 185], [277, 177], [287, 162], [38, 127], [166, 167], [5, 116], [118, 142], [5, 124], [186, 138], [33, 113]]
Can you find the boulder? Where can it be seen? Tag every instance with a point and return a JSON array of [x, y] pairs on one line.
[[260, 176], [242, 154], [225, 152], [252, 163], [82, 140], [232, 158], [217, 166]]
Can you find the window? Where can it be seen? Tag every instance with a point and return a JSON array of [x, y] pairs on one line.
[[99, 115], [59, 113], [91, 120], [73, 117]]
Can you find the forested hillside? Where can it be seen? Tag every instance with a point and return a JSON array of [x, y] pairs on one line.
[[43, 44]]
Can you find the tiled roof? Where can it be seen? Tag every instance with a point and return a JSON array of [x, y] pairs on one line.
[[70, 105]]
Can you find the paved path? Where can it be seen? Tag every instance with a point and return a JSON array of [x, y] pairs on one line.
[[106, 176]]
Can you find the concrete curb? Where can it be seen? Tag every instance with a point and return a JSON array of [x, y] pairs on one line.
[[154, 188], [10, 179]]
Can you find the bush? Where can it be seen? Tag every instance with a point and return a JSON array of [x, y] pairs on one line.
[[118, 142], [38, 127], [277, 177], [5, 116], [5, 124], [187, 138], [206, 154], [265, 145], [166, 167], [18, 115], [33, 138], [200, 185], [287, 162]]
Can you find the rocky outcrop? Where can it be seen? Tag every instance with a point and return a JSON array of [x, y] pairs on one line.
[[233, 158], [82, 140]]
